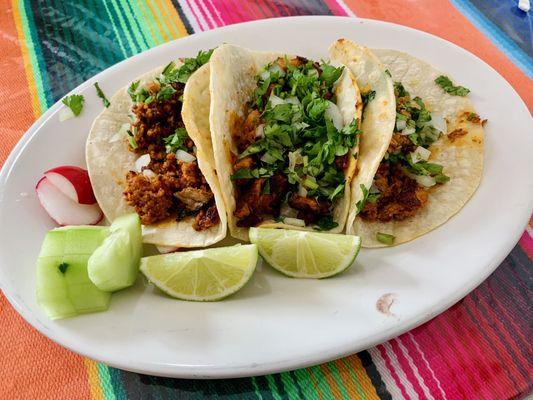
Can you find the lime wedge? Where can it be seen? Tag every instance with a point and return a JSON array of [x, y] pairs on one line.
[[303, 254], [202, 275]]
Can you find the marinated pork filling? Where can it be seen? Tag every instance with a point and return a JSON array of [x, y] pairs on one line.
[[292, 157], [405, 177], [171, 185]]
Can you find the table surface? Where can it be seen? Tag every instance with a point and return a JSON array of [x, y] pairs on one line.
[[478, 349]]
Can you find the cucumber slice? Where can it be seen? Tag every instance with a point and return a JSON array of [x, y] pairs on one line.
[[63, 285], [115, 264]]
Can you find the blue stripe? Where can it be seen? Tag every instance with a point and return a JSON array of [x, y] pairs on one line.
[[510, 48]]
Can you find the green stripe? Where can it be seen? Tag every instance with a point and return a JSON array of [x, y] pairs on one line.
[[290, 386], [160, 17], [124, 28], [306, 383], [272, 386], [354, 379], [35, 58], [105, 382], [117, 35], [134, 26], [167, 11], [145, 25], [256, 388], [335, 372], [321, 380], [150, 22], [105, 43], [117, 383]]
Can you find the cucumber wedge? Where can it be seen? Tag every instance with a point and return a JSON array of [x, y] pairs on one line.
[[63, 285], [115, 264]]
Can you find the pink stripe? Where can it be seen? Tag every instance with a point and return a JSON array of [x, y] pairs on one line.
[[389, 366], [407, 368], [225, 13], [418, 358], [462, 339], [335, 7], [204, 15], [526, 242], [200, 23], [207, 15], [430, 340], [495, 341], [253, 12], [215, 13]]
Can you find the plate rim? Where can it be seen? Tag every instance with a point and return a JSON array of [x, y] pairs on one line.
[[335, 352]]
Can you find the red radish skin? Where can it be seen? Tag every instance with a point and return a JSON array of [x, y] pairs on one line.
[[78, 179], [62, 209]]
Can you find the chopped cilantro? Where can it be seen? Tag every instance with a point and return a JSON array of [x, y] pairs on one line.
[[74, 102], [368, 96], [176, 141], [325, 223], [172, 74], [165, 93], [132, 141], [330, 74], [447, 85], [385, 238], [279, 219], [63, 267], [361, 203], [266, 188], [388, 73], [101, 94]]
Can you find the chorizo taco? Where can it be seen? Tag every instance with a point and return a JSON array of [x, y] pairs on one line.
[[433, 162], [285, 137], [150, 152]]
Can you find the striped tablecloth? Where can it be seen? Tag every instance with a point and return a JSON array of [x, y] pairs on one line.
[[478, 349]]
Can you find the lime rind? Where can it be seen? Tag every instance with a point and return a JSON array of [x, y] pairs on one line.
[[303, 254], [202, 275]]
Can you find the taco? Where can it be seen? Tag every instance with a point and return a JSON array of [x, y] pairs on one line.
[[433, 162], [285, 134], [150, 152]]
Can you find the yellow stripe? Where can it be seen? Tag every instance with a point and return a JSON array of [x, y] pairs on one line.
[[177, 22], [363, 378], [166, 19], [330, 381], [28, 68], [157, 21], [140, 6], [94, 380], [347, 381]]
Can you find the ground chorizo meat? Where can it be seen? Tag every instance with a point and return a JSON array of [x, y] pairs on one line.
[[178, 189], [400, 196], [150, 197]]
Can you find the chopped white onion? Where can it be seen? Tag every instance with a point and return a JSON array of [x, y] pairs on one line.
[[302, 191], [268, 158], [65, 113], [275, 100], [184, 156], [260, 131], [408, 131], [277, 69], [400, 124], [295, 158], [294, 222], [287, 211], [439, 123], [149, 173], [292, 100], [141, 162], [420, 154], [334, 114], [264, 75], [425, 180], [166, 249]]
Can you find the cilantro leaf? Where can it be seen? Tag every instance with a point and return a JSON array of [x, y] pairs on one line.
[[101, 94], [325, 223], [165, 93], [243, 173], [74, 102], [176, 141], [447, 85], [63, 267], [361, 203], [330, 74]]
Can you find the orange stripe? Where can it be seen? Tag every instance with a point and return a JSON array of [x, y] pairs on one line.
[[157, 21], [166, 20], [364, 380], [347, 381], [330, 381], [457, 29], [178, 23], [94, 380]]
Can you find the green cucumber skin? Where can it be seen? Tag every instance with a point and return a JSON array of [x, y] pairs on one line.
[[115, 264], [70, 293]]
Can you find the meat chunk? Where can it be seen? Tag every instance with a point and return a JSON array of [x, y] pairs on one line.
[[341, 162], [206, 218], [400, 143], [246, 162], [190, 175], [150, 197], [247, 135], [309, 205], [400, 196], [194, 198]]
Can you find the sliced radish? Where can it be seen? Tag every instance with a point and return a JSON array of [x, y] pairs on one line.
[[62, 209], [74, 182]]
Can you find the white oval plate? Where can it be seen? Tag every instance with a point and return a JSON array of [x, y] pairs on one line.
[[276, 323]]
